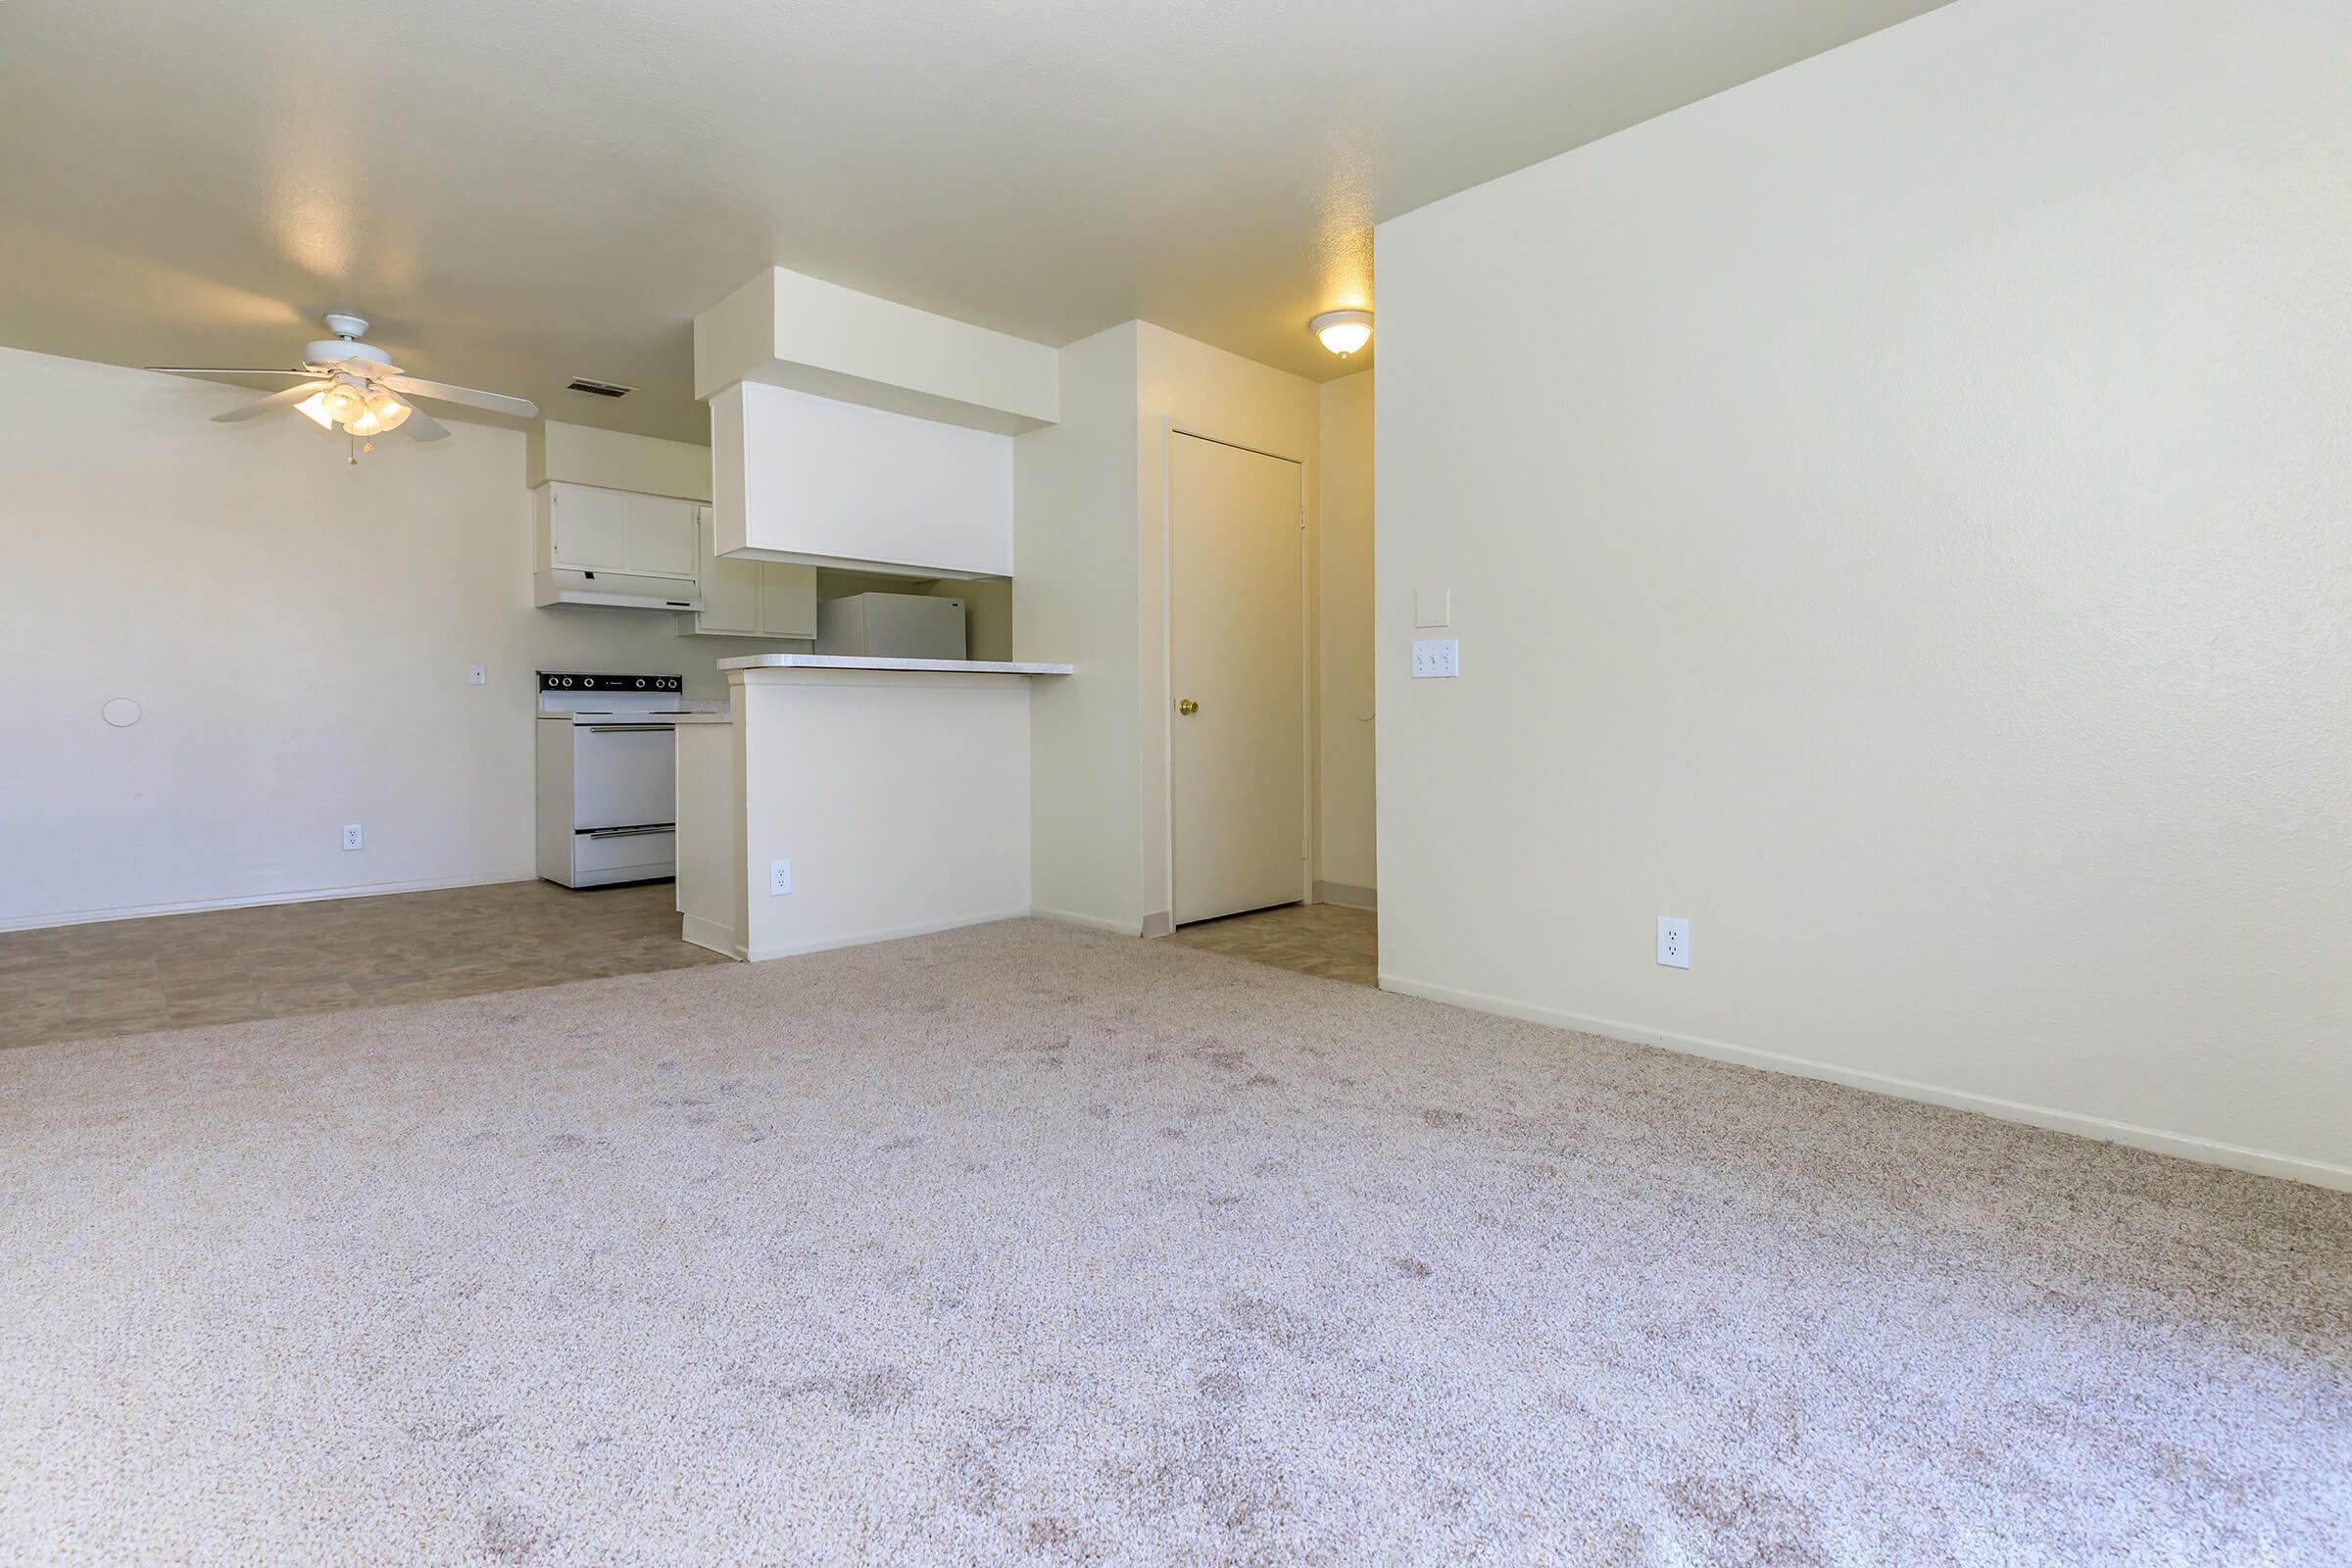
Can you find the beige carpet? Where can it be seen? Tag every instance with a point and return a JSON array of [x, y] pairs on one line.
[[1024, 1245]]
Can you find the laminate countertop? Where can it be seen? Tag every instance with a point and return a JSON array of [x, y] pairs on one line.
[[953, 666]]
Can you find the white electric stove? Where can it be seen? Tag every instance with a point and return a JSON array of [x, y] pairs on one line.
[[609, 776]]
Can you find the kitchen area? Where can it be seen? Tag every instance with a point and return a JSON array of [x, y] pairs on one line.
[[849, 560]]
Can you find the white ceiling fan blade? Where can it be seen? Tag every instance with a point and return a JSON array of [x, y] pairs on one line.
[[423, 426], [276, 399], [184, 370], [495, 402]]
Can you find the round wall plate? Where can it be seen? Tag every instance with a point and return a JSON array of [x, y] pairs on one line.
[[120, 711]]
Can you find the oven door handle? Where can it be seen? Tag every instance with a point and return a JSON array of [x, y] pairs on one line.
[[626, 729], [628, 832]]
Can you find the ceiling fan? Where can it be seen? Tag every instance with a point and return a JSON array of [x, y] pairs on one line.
[[347, 384]]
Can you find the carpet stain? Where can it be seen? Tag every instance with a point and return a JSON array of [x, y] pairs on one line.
[[1223, 1387], [512, 1534], [465, 1282]]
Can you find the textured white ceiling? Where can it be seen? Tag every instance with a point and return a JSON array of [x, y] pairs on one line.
[[520, 191]]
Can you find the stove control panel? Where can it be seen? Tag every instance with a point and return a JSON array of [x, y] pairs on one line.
[[558, 681]]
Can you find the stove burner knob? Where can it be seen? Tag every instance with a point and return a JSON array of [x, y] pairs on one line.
[[640, 685]]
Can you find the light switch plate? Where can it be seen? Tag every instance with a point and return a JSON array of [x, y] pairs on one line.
[[1433, 607], [779, 878], [1437, 659], [1674, 942]]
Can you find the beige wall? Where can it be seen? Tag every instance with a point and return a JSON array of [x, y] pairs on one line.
[[299, 632], [1075, 547], [917, 818], [1897, 514], [1090, 554], [1186, 386], [581, 453], [1345, 707], [987, 615]]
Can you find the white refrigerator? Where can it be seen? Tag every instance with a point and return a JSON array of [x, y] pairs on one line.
[[892, 626]]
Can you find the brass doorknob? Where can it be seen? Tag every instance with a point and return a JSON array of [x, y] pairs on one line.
[[1188, 708]]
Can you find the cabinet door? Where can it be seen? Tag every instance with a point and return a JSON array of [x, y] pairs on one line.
[[787, 599], [730, 588], [662, 535], [588, 530]]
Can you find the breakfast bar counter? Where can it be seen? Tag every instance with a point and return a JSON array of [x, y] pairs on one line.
[[846, 800]]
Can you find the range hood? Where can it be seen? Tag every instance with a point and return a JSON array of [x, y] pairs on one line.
[[614, 590]]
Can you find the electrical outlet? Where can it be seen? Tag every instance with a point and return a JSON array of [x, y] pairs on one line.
[[1674, 942], [353, 838], [480, 675], [1437, 659], [779, 878]]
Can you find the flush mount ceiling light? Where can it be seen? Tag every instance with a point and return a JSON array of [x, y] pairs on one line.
[[1343, 331]]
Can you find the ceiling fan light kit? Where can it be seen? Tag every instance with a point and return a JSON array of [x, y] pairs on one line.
[[347, 384], [343, 402]]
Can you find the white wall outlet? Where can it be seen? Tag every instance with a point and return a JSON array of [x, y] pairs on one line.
[[353, 838], [779, 878], [1674, 942], [480, 675], [1437, 659]]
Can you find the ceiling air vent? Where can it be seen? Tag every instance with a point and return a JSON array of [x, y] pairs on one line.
[[598, 389]]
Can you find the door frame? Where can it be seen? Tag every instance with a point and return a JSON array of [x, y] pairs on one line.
[[1308, 708]]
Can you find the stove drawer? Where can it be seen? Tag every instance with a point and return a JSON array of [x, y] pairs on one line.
[[618, 853]]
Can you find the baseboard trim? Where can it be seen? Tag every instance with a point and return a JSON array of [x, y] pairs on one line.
[[711, 934], [1346, 897], [894, 933], [365, 890], [1093, 922], [2180, 1146]]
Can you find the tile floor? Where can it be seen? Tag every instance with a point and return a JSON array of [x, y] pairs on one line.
[[1322, 939], [227, 966]]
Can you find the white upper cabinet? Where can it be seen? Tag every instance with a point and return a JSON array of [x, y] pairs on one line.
[[750, 598], [588, 528], [662, 535], [787, 599], [730, 591], [819, 483]]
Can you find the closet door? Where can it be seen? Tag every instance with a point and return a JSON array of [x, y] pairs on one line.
[[1237, 646]]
